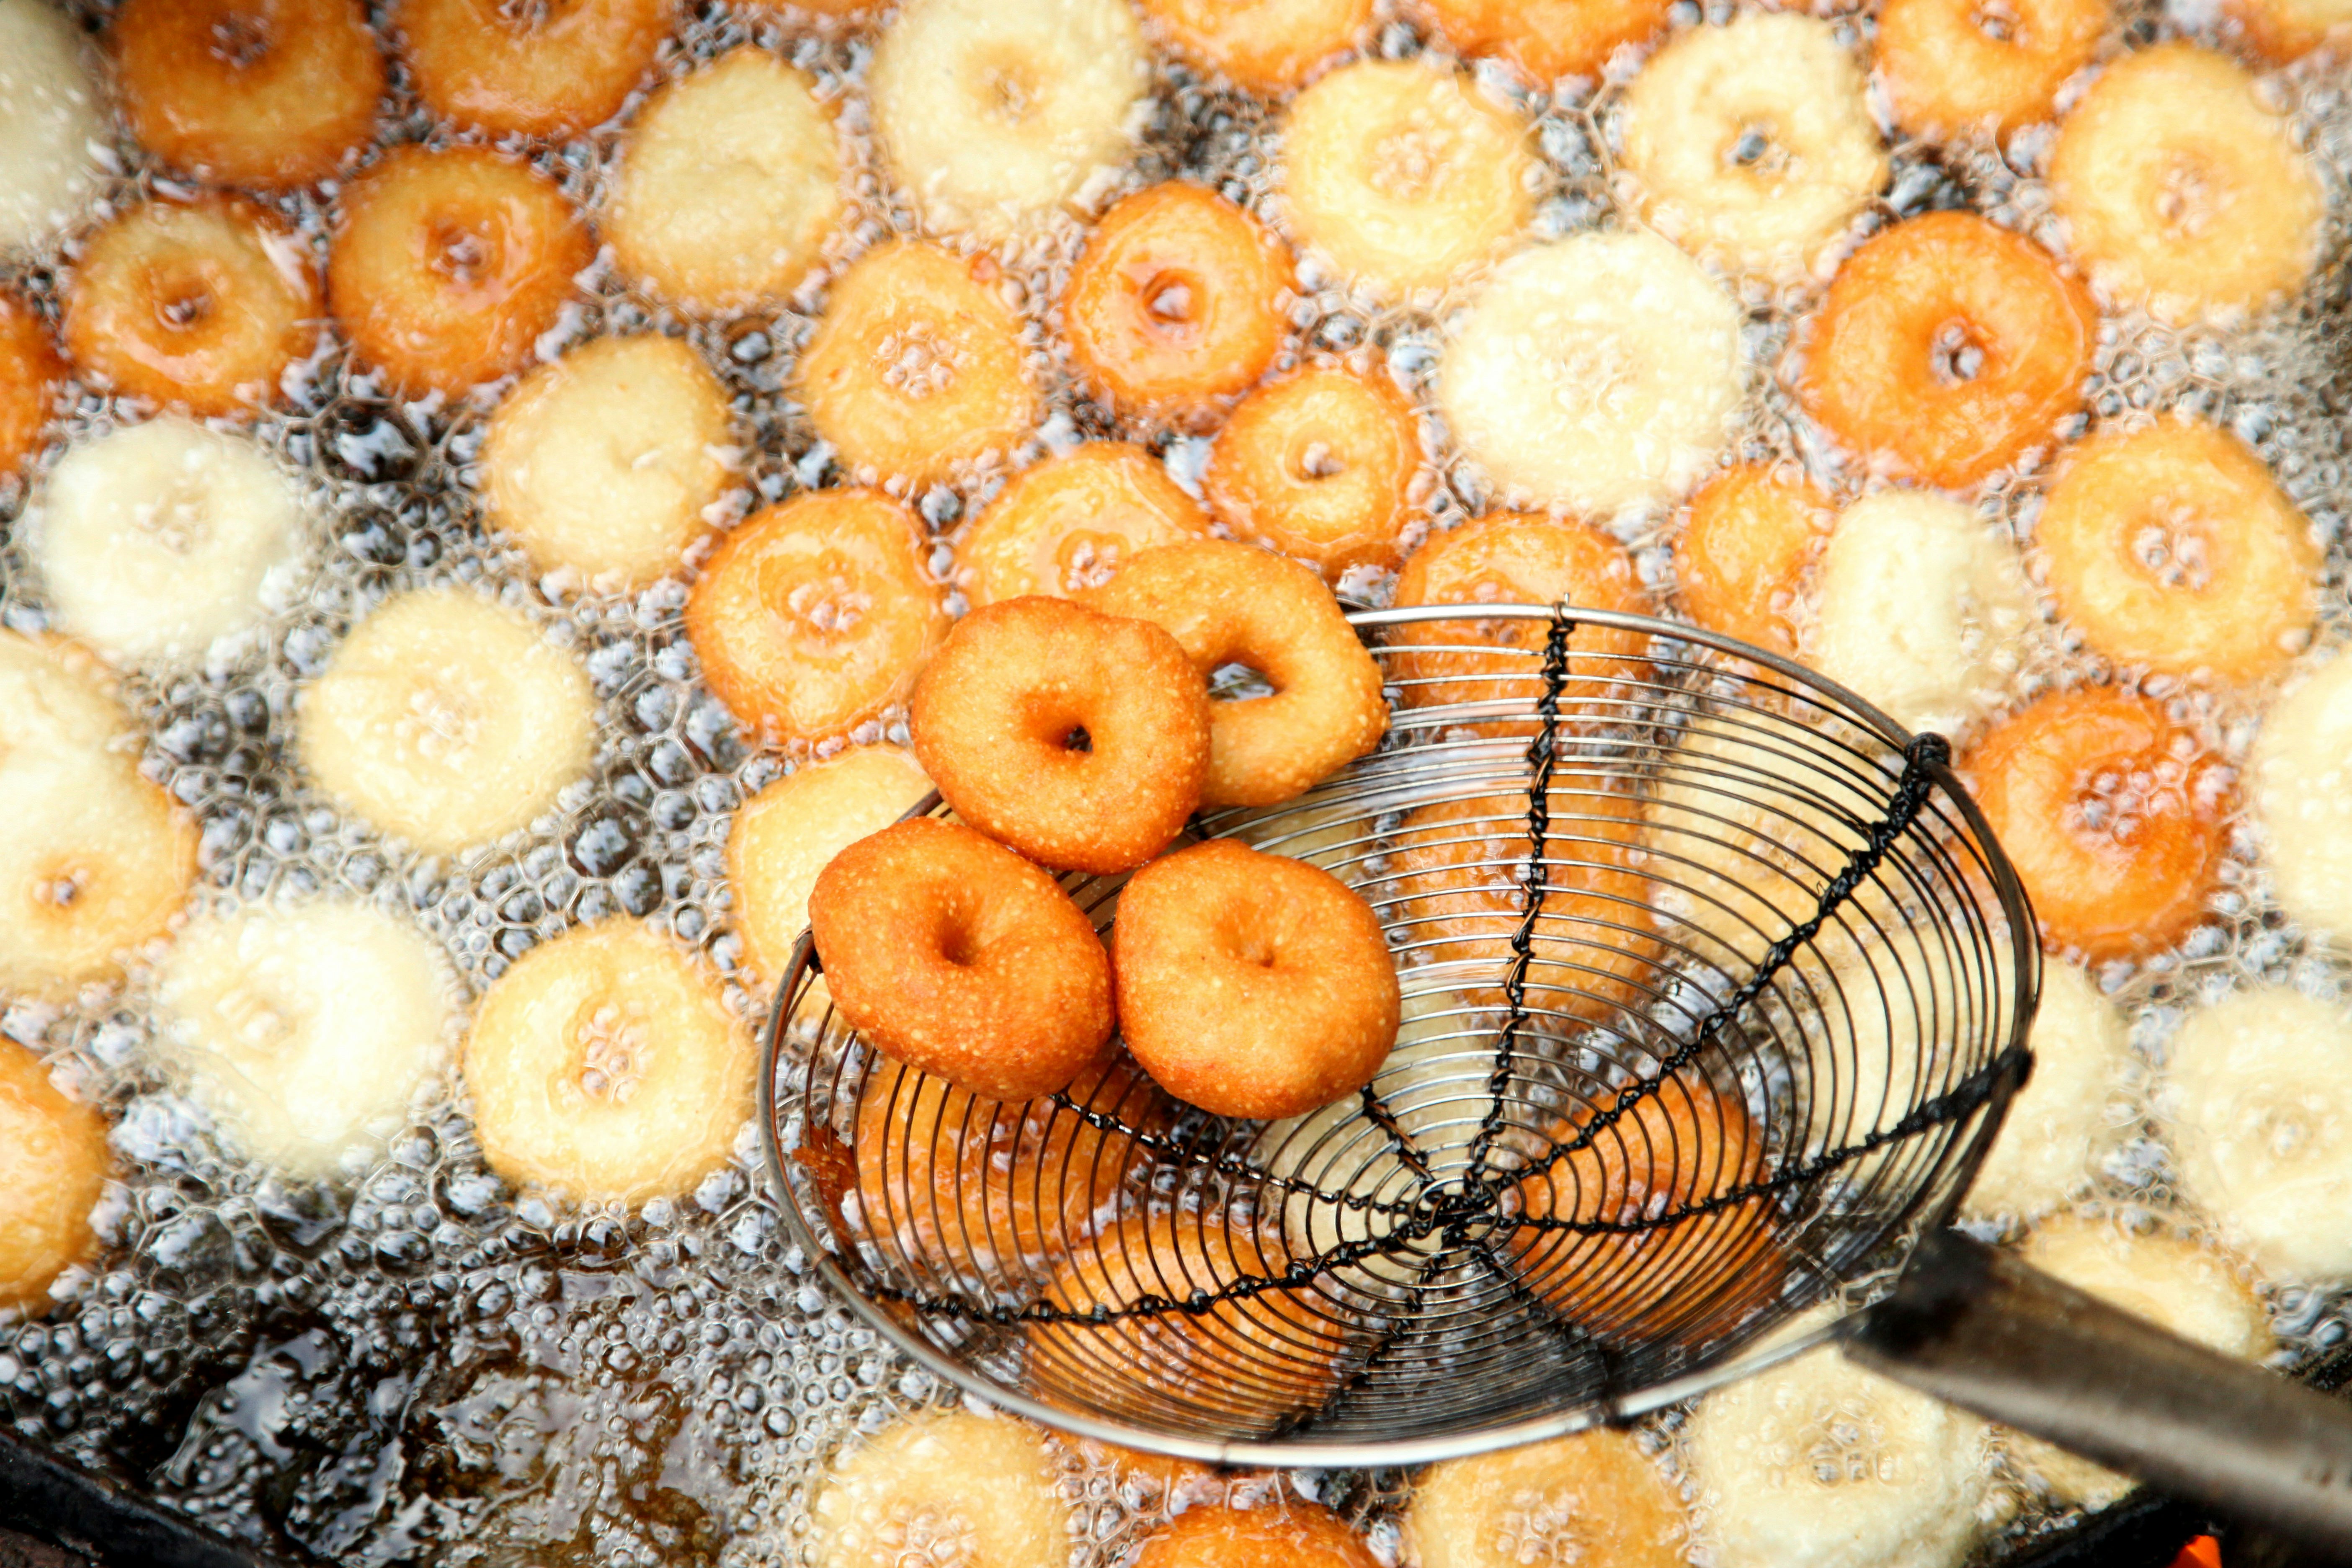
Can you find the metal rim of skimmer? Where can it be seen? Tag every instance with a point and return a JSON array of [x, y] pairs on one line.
[[1566, 1004]]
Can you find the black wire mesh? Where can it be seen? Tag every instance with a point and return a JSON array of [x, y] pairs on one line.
[[1715, 988]]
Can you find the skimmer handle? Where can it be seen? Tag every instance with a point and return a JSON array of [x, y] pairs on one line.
[[1977, 1328]]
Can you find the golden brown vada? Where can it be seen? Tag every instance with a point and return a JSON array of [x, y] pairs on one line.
[[1230, 604], [960, 959], [1079, 739], [1252, 985]]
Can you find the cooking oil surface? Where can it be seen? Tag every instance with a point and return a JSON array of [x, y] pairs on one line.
[[421, 1364]]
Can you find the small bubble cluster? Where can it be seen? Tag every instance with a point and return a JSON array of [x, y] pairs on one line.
[[427, 1366]]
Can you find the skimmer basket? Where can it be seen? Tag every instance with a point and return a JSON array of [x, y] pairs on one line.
[[1716, 986]]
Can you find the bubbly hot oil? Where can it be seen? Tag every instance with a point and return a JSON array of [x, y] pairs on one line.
[[427, 1367]]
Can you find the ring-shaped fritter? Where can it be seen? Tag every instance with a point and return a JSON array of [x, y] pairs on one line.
[[2172, 547], [268, 93], [918, 364], [1072, 521], [1949, 348], [815, 616], [1594, 1497], [1079, 739], [605, 465], [1753, 144], [1175, 304], [530, 70], [2116, 822], [201, 305], [979, 1491], [447, 267], [727, 184], [1403, 175], [606, 1063], [955, 956], [1946, 72], [1230, 604], [2179, 189], [996, 115], [1595, 373], [1252, 985], [1320, 464]]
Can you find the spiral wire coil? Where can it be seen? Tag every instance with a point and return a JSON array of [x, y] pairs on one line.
[[1715, 988]]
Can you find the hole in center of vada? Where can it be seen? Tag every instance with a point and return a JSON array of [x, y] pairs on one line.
[[1995, 20], [1586, 369], [918, 361], [1758, 149], [1245, 943], [61, 889], [1838, 1448], [1410, 165], [1240, 683], [183, 304], [241, 38], [958, 941], [921, 1536], [1010, 89], [2186, 196], [1087, 560], [1957, 355], [2282, 1131], [2174, 547], [463, 253], [175, 520], [1549, 1529], [440, 723], [615, 1045], [1316, 460], [2113, 801], [1170, 299], [829, 603], [1053, 721], [256, 1021]]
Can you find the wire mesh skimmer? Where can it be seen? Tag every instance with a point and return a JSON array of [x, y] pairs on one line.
[[1716, 988], [1658, 911]]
